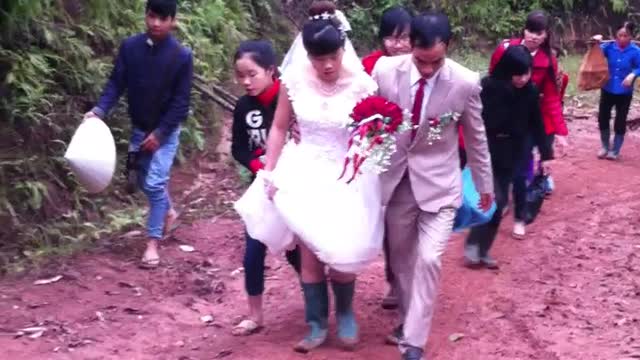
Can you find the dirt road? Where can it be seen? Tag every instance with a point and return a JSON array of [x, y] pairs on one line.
[[569, 291]]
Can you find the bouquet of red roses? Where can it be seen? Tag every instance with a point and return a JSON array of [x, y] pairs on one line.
[[374, 124]]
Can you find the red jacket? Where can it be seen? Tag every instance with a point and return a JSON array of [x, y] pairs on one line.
[[369, 62], [550, 98]]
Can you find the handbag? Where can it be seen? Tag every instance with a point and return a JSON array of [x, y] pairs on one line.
[[594, 70], [536, 193], [469, 215]]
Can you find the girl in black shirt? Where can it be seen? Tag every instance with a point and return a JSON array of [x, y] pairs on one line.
[[512, 118], [255, 70]]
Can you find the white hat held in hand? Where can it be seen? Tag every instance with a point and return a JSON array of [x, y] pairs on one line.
[[92, 155]]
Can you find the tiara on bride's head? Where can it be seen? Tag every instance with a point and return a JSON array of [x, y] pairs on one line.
[[328, 16], [324, 16]]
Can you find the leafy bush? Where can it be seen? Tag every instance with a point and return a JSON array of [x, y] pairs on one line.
[[55, 56], [473, 20]]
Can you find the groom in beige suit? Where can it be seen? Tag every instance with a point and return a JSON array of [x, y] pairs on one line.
[[422, 188]]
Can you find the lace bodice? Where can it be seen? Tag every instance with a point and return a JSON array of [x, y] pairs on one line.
[[322, 114]]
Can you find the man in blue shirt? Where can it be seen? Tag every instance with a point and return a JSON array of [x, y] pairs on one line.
[[623, 58], [156, 71]]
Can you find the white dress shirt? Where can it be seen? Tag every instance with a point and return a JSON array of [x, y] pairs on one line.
[[428, 88]]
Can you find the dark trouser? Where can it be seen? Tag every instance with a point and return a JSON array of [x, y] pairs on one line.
[[387, 260], [254, 255], [484, 235], [607, 102]]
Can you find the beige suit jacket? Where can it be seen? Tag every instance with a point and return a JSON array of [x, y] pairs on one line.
[[434, 170]]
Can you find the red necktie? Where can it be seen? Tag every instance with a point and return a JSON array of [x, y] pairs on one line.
[[416, 114]]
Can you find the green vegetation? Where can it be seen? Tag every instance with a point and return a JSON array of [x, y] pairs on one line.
[[55, 57], [478, 24]]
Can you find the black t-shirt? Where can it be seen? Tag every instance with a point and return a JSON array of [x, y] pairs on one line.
[[251, 124]]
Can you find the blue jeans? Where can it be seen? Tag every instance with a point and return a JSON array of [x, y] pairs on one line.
[[253, 263], [153, 178]]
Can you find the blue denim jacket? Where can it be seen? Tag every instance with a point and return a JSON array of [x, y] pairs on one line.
[[622, 62]]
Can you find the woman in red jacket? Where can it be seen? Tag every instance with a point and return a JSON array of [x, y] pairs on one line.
[[537, 38], [393, 34]]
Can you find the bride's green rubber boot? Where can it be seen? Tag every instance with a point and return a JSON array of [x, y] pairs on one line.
[[316, 309], [347, 325]]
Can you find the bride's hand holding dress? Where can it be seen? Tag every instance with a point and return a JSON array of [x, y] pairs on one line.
[[277, 138]]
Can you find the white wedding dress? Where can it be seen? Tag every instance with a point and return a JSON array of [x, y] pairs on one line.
[[341, 223]]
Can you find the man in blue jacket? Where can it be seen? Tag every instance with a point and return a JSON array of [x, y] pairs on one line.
[[156, 71]]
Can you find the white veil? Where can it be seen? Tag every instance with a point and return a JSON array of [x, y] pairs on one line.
[[297, 54]]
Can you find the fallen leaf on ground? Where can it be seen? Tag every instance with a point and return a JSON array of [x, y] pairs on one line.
[[207, 319], [456, 337], [223, 353], [80, 343], [621, 322], [100, 316], [125, 284], [134, 311], [48, 281], [32, 332], [187, 248], [37, 305], [237, 271]]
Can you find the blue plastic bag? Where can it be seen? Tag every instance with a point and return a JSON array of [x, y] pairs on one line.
[[469, 215]]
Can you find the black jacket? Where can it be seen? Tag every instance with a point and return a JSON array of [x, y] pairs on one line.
[[512, 120], [251, 124]]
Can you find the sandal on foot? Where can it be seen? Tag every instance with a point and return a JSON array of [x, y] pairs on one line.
[[246, 327], [150, 260], [149, 263]]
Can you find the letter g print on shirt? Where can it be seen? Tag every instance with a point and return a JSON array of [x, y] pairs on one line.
[[255, 129]]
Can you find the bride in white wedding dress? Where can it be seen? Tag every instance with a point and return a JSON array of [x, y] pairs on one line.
[[339, 225]]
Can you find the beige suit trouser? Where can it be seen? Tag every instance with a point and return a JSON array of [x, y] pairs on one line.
[[417, 240]]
